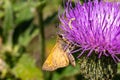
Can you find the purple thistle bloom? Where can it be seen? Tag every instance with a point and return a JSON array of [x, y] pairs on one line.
[[93, 26]]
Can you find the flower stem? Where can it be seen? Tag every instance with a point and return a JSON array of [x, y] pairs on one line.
[[41, 30], [42, 38]]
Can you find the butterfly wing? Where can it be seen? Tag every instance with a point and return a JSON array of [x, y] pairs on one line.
[[56, 59]]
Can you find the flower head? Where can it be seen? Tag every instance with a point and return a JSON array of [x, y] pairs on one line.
[[93, 26]]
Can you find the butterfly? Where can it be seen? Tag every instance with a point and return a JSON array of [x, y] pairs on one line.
[[59, 56]]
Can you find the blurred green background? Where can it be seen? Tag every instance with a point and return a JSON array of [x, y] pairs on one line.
[[27, 34]]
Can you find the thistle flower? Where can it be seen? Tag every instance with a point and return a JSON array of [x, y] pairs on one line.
[[94, 27]]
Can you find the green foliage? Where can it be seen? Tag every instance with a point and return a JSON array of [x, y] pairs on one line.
[[8, 20], [17, 30], [67, 72], [26, 11], [26, 69]]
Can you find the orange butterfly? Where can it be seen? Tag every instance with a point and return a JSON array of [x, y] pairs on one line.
[[58, 57]]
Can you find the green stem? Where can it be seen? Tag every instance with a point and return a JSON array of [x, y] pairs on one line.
[[41, 30], [42, 38]]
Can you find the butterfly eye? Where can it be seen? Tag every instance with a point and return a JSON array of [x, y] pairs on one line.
[[60, 36]]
